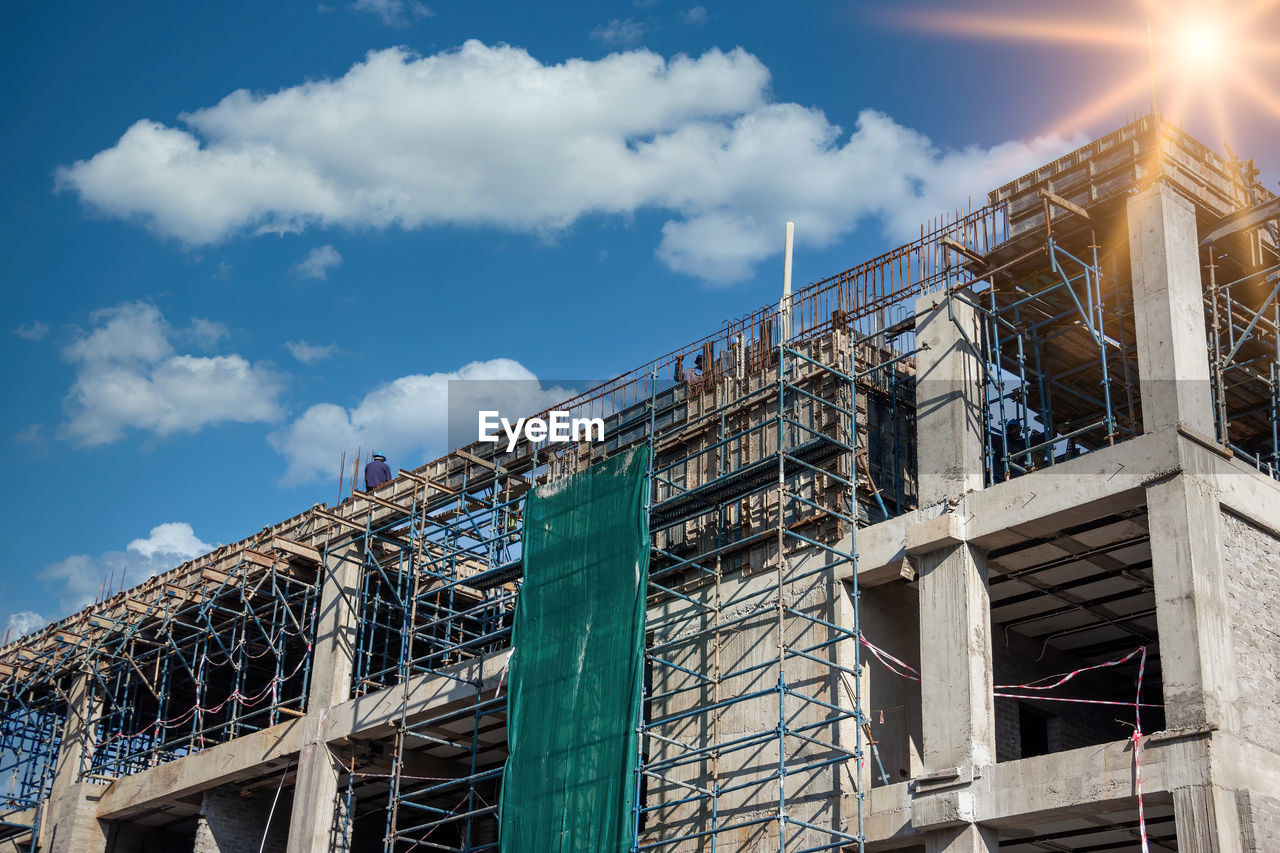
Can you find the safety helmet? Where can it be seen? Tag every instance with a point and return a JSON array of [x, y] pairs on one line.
[[378, 454]]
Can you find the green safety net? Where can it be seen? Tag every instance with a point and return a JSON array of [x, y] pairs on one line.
[[576, 664]]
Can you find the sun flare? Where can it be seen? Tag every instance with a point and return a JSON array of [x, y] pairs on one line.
[[1216, 60]]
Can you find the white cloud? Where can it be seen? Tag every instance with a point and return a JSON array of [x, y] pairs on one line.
[[317, 263], [175, 538], [695, 16], [395, 13], [129, 377], [205, 333], [30, 434], [620, 32], [79, 579], [24, 622], [36, 331], [408, 418], [489, 136], [309, 353]]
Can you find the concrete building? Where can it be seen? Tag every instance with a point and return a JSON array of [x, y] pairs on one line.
[[971, 547]]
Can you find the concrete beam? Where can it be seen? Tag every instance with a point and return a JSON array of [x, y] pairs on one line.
[[969, 838], [1035, 504], [250, 756], [1090, 779], [246, 757], [1168, 300]]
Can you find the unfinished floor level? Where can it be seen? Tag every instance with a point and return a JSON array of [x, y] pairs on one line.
[[970, 547]]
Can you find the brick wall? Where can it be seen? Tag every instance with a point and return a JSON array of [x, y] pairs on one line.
[[1251, 559], [1017, 660], [231, 823]]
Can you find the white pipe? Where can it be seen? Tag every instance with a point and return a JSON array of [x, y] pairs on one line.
[[786, 281], [786, 261]]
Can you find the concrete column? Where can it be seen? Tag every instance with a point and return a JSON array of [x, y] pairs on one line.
[[1192, 606], [1207, 820], [1173, 353], [72, 825], [966, 839], [77, 733], [958, 710], [949, 422], [1197, 652], [333, 658], [316, 797], [68, 823]]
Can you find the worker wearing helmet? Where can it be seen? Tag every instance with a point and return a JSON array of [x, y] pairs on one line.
[[376, 472]]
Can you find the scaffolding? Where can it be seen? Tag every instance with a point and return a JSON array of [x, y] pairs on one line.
[[201, 665], [745, 733], [801, 429], [1055, 339], [1242, 275], [31, 721]]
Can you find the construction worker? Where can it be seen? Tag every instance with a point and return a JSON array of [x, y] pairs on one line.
[[691, 376], [376, 472]]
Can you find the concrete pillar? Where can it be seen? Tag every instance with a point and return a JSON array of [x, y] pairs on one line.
[[957, 706], [71, 822], [68, 823], [949, 378], [966, 839], [1173, 354], [1197, 652], [333, 658], [77, 733], [316, 797], [1207, 820], [1197, 655]]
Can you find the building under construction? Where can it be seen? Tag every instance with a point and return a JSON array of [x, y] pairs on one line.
[[972, 546]]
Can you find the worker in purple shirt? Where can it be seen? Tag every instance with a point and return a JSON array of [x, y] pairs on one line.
[[376, 472]]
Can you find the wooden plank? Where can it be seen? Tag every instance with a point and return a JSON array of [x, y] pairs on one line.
[[257, 558], [963, 250], [185, 593], [494, 467], [297, 549], [418, 478], [384, 502], [1059, 201], [1243, 219], [214, 575], [337, 519]]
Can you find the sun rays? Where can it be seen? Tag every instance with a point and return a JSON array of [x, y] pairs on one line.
[[1216, 62]]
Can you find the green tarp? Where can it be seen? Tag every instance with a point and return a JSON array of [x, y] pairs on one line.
[[576, 664]]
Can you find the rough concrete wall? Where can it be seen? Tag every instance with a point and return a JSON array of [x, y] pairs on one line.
[[74, 826], [1017, 660], [1259, 821], [230, 823], [1252, 564]]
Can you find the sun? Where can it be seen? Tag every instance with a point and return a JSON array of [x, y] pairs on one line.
[[1201, 44], [1204, 59]]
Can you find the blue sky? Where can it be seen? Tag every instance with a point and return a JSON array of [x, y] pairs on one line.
[[244, 237]]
